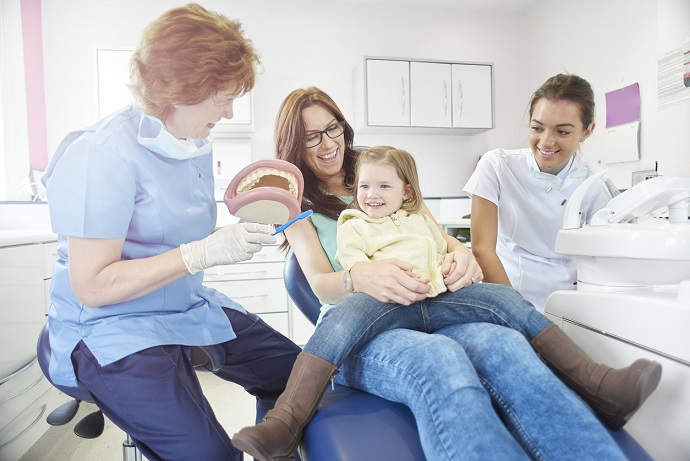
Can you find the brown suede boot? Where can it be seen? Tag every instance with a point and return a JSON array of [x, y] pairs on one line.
[[614, 394], [277, 437]]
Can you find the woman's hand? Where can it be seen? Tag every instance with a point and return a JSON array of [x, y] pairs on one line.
[[460, 269], [390, 281]]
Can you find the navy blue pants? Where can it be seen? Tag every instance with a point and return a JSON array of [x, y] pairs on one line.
[[154, 395]]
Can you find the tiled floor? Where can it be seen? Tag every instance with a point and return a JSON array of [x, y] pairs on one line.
[[232, 405]]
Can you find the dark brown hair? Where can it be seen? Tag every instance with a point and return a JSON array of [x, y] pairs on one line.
[[289, 139], [568, 87]]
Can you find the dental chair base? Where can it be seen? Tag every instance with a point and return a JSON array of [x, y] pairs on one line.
[[617, 327]]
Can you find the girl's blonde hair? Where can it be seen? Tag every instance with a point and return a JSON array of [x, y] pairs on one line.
[[404, 165], [188, 55]]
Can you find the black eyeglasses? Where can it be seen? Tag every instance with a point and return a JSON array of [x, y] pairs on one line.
[[333, 131]]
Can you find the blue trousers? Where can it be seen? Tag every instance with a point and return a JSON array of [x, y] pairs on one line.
[[154, 395], [357, 319], [449, 380]]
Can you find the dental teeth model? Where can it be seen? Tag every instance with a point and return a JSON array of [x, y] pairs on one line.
[[267, 192]]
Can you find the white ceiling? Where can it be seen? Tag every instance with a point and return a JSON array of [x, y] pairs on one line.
[[485, 5]]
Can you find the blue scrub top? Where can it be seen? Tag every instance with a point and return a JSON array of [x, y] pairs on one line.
[[101, 183]]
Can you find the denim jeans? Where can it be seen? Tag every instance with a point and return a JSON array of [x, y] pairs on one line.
[[435, 377], [347, 327]]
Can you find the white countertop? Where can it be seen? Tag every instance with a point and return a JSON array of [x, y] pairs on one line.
[[454, 222], [23, 223], [25, 236]]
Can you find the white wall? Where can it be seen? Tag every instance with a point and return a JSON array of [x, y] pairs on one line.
[[305, 42], [315, 42], [615, 43]]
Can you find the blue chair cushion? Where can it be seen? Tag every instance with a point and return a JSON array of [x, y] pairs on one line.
[[43, 354], [354, 425], [351, 425]]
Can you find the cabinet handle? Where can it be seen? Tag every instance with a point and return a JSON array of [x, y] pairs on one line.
[[445, 98], [26, 389], [263, 295], [26, 429], [402, 83], [18, 372], [461, 98], [219, 276]]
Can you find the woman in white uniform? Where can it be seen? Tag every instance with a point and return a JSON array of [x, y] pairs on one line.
[[519, 196]]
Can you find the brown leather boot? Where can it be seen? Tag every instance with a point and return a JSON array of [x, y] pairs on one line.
[[277, 437], [614, 394]]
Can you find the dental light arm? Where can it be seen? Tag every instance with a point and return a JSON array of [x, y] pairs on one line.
[[571, 218], [637, 203], [648, 197]]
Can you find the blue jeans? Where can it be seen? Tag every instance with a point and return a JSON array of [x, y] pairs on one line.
[[434, 375], [346, 328]]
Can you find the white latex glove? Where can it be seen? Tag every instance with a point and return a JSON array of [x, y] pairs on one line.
[[230, 244]]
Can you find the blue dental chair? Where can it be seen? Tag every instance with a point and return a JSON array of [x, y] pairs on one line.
[[352, 425], [204, 358]]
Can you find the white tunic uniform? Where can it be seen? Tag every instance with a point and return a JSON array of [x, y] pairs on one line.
[[531, 205]]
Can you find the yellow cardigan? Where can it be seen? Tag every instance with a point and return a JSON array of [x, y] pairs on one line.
[[413, 238]]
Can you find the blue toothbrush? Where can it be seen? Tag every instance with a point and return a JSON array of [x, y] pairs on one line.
[[302, 215]]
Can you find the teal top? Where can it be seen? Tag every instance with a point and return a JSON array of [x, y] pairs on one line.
[[327, 230]]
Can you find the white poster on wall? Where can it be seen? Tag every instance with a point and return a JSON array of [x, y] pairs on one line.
[[672, 83]]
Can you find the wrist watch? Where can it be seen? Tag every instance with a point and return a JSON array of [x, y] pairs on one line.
[[347, 281]]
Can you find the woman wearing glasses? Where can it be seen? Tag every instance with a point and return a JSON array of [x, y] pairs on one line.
[[439, 376]]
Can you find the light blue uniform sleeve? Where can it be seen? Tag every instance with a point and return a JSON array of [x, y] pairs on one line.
[[91, 192]]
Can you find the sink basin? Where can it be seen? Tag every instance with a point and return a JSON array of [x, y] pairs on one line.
[[628, 255]]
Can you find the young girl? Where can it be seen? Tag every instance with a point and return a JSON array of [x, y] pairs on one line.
[[385, 225]]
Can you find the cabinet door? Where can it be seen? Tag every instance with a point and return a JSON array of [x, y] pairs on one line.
[[472, 96], [388, 92], [22, 305], [431, 94]]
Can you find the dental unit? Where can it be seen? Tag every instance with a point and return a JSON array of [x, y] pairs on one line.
[[633, 296]]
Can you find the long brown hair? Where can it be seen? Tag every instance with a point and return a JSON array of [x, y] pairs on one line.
[[289, 141]]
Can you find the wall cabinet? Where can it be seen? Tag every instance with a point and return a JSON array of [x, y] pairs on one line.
[[257, 285], [425, 94], [26, 396], [387, 92], [25, 273]]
